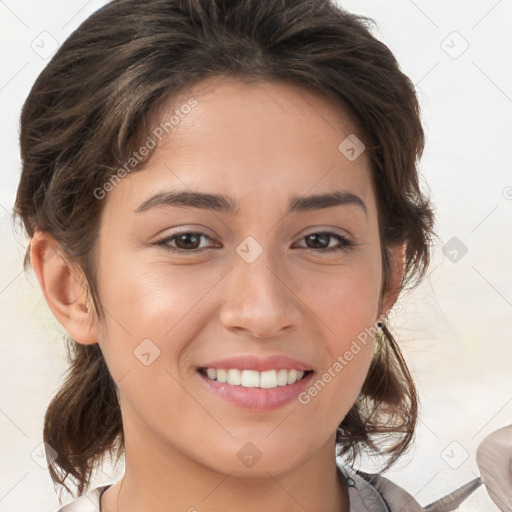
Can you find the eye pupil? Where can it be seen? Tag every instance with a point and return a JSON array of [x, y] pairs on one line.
[[187, 236], [316, 236]]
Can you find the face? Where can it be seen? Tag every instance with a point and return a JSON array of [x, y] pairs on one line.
[[251, 282]]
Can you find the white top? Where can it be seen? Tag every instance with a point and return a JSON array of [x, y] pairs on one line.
[[367, 493]]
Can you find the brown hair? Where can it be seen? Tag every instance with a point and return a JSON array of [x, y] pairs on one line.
[[89, 109]]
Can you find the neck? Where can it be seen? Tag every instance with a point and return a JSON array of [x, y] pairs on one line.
[[162, 478]]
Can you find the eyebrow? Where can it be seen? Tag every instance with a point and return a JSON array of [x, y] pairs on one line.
[[224, 204]]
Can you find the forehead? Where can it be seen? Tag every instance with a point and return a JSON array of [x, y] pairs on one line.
[[232, 111], [267, 140]]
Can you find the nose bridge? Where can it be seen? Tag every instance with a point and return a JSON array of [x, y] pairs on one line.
[[260, 300]]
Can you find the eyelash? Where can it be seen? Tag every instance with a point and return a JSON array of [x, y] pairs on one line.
[[346, 245]]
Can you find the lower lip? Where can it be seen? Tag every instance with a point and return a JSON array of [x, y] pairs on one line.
[[257, 398]]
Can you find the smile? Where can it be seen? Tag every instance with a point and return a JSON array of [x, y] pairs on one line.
[[248, 389], [252, 378]]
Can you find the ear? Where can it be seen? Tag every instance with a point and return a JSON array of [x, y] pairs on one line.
[[64, 291], [396, 263]]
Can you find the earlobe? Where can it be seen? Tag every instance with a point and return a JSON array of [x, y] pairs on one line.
[[397, 264], [64, 292]]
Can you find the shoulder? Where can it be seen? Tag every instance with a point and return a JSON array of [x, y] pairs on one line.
[[371, 491], [89, 502], [395, 496]]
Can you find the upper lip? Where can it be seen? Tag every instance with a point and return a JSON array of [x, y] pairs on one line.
[[258, 363]]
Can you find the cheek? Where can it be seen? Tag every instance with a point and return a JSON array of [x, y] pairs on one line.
[[150, 301], [152, 314], [154, 296], [335, 388], [346, 306], [344, 298]]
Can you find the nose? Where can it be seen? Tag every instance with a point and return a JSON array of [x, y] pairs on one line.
[[259, 299]]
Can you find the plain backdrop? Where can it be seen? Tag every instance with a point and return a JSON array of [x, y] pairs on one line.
[[455, 329]]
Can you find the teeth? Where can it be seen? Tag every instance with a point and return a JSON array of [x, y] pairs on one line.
[[249, 379], [282, 377], [268, 379], [234, 377], [222, 375], [255, 379]]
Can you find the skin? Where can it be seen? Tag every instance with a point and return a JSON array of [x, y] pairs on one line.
[[259, 143]]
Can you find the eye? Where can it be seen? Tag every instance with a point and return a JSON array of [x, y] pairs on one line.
[[344, 244], [187, 242]]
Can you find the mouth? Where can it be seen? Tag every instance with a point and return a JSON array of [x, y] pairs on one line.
[[254, 379], [251, 389]]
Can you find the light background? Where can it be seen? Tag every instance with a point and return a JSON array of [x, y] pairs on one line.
[[455, 330]]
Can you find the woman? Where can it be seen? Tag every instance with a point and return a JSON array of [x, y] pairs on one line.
[[223, 205]]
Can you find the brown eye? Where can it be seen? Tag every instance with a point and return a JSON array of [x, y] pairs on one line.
[[185, 242], [319, 242]]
